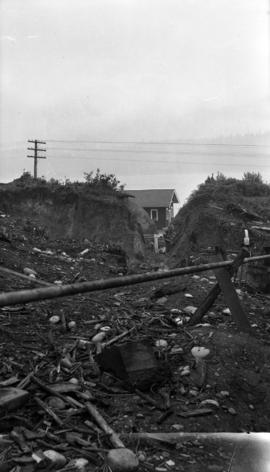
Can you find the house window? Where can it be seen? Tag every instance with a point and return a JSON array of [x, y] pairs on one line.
[[154, 215]]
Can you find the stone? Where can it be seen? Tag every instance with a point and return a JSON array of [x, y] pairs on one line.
[[122, 460], [224, 393], [54, 319], [177, 427], [72, 325], [78, 464], [99, 337], [226, 311], [161, 343], [55, 457], [29, 271], [190, 309], [161, 301], [56, 403]]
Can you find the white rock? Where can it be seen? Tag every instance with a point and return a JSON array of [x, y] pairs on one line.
[[74, 381], [98, 338], [78, 464], [58, 459], [188, 295], [210, 402], [224, 393], [176, 311], [170, 463], [29, 271], [226, 311], [199, 352], [179, 320], [58, 282], [105, 329], [54, 319], [32, 276], [177, 427], [122, 460], [72, 325], [161, 301], [161, 343], [176, 350], [185, 371], [190, 309]]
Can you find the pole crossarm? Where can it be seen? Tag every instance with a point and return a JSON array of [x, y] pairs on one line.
[[36, 155], [25, 296]]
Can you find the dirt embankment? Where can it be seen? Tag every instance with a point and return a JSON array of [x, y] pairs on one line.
[[217, 214], [58, 214]]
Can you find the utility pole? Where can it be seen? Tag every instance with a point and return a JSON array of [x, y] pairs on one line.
[[36, 151]]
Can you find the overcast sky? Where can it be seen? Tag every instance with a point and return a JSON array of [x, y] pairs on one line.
[[80, 71]]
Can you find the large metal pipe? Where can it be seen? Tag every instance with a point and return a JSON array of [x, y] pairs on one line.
[[46, 293]]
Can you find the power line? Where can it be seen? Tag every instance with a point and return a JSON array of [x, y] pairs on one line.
[[152, 151], [177, 143], [162, 161]]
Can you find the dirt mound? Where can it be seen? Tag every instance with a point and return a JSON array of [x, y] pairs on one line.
[[217, 215], [142, 217], [64, 214]]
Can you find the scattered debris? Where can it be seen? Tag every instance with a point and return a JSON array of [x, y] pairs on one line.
[[99, 368]]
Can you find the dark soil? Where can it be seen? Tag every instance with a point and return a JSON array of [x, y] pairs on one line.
[[237, 383]]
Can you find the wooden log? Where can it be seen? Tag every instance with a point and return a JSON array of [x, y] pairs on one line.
[[46, 293], [114, 438], [232, 300], [205, 305], [173, 438], [24, 277], [49, 411]]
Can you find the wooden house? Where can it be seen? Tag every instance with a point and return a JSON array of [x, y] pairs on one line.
[[158, 203]]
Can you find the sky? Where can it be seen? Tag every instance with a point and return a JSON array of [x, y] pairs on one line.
[[162, 93]]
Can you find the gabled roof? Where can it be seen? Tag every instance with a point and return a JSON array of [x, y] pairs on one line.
[[159, 197]]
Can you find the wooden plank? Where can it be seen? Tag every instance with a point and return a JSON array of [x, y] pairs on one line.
[[215, 291], [232, 300], [205, 305]]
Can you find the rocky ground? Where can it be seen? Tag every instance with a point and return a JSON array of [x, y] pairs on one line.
[[54, 360]]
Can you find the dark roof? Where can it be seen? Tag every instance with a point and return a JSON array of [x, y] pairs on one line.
[[159, 197]]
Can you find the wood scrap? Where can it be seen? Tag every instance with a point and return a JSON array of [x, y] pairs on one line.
[[114, 438], [49, 411]]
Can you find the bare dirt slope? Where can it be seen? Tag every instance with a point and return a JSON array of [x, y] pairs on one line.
[[217, 214], [60, 212]]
